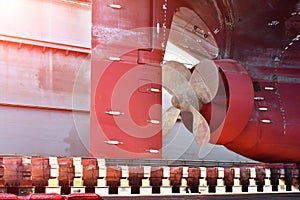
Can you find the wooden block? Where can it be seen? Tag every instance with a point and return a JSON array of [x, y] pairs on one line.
[[202, 182], [237, 173], [124, 190], [101, 182], [102, 191], [56, 190], [236, 189], [252, 173], [220, 189], [54, 172], [203, 189], [220, 182], [165, 182], [252, 182], [236, 182], [281, 182], [184, 182], [77, 182], [53, 182], [252, 189], [146, 190], [53, 161], [203, 172], [267, 188], [166, 190], [124, 183], [221, 172], [166, 172], [125, 171], [147, 171], [77, 161], [78, 170], [145, 182], [77, 190], [267, 182], [185, 172], [281, 188], [102, 171]]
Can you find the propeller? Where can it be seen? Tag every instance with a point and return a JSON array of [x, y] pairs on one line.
[[189, 92]]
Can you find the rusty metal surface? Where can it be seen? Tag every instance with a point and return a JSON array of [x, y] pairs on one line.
[[49, 21]]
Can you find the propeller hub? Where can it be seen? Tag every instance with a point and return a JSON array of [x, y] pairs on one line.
[[181, 103], [175, 102]]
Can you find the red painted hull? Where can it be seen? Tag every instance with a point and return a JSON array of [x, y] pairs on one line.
[[264, 129], [278, 140]]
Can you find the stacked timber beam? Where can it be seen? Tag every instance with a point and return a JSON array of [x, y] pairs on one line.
[[53, 183], [73, 175]]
